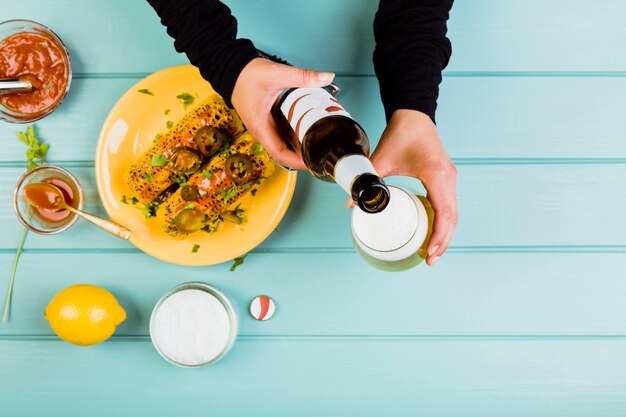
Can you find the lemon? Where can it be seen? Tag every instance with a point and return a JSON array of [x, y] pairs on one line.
[[84, 314]]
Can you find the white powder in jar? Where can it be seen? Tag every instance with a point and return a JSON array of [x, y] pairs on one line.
[[191, 327]]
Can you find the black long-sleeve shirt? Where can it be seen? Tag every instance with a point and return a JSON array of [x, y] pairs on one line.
[[411, 47]]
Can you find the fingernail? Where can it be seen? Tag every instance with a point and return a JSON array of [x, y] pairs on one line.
[[433, 250], [324, 76], [434, 261]]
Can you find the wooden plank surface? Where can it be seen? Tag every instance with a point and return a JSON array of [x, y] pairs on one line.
[[499, 205], [488, 35], [313, 377], [524, 315], [338, 294], [480, 118]]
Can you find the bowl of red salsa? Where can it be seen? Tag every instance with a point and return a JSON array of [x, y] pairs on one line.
[[30, 51]]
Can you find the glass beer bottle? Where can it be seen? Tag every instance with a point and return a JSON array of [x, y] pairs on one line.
[[332, 145]]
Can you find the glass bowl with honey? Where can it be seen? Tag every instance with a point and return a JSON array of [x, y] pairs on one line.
[[30, 52], [47, 222]]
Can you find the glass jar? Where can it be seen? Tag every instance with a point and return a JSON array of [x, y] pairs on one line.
[[28, 216], [395, 239], [176, 325], [14, 27]]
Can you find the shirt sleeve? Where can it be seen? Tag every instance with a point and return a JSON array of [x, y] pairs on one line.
[[411, 51], [206, 31]]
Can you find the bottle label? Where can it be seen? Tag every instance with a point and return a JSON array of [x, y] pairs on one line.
[[349, 168], [305, 106]]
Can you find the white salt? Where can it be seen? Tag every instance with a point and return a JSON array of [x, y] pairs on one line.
[[191, 327]]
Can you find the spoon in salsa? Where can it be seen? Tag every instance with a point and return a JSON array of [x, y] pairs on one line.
[[15, 85], [48, 197]]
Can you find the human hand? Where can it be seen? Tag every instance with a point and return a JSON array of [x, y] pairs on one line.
[[256, 91], [410, 146]]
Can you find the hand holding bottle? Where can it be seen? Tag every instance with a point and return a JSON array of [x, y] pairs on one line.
[[410, 146], [256, 91]]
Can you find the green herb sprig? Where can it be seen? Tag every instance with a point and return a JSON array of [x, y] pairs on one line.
[[36, 151], [237, 262], [35, 155]]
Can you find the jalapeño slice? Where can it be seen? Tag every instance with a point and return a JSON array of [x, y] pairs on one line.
[[185, 161], [189, 220], [209, 140], [239, 168]]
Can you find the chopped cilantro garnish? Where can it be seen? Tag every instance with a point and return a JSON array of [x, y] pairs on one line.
[[189, 206], [253, 192], [148, 176], [47, 86], [167, 111], [149, 209], [186, 98], [180, 180], [156, 138], [169, 124], [145, 91], [237, 262], [195, 248], [158, 160], [226, 151], [228, 193], [245, 186], [256, 149], [132, 201], [206, 174], [209, 229]]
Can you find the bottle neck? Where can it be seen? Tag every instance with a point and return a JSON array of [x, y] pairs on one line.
[[357, 176]]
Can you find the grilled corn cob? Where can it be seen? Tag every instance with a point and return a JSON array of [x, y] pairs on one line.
[[148, 181], [218, 192]]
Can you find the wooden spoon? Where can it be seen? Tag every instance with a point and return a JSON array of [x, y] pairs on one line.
[[47, 197]]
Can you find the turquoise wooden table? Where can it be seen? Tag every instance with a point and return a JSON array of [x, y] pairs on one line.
[[525, 315]]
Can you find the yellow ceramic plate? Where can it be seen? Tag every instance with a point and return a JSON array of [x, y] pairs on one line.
[[128, 132]]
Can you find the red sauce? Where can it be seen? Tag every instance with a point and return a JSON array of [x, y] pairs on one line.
[[68, 194], [40, 60]]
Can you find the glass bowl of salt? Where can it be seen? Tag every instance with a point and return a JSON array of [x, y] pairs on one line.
[[396, 238], [193, 325]]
